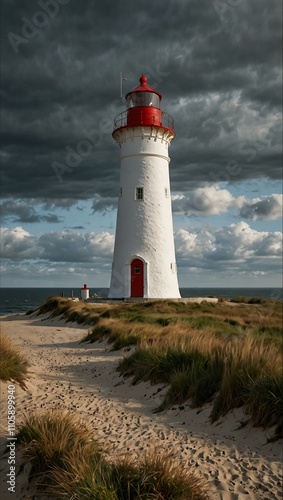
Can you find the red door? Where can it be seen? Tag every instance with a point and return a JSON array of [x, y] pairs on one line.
[[137, 278]]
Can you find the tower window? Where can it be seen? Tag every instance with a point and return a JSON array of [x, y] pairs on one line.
[[121, 192], [173, 267], [139, 193], [166, 192]]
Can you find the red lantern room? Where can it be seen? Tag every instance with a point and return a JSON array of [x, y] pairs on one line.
[[143, 104], [143, 109]]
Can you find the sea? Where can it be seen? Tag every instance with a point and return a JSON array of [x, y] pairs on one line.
[[21, 300]]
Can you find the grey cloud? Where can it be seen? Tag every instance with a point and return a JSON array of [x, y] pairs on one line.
[[51, 218], [20, 212], [267, 207], [101, 204]]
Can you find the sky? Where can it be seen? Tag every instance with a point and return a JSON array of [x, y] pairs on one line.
[[217, 64]]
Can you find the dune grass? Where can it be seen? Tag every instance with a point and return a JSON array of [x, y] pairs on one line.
[[205, 353], [228, 372], [223, 354], [71, 310], [49, 438], [264, 320], [13, 365], [261, 319], [70, 463]]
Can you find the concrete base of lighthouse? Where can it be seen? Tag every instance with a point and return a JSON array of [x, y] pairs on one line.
[[135, 282], [196, 300]]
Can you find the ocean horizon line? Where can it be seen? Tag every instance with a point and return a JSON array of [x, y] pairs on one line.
[[22, 299]]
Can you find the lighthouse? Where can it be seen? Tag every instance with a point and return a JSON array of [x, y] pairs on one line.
[[144, 263]]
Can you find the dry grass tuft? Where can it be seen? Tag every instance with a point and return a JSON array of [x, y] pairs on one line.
[[13, 365], [157, 476], [72, 465], [48, 438], [72, 310]]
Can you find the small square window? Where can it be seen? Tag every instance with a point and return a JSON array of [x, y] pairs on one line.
[[139, 193], [137, 270]]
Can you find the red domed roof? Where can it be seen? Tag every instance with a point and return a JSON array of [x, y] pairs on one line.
[[143, 87]]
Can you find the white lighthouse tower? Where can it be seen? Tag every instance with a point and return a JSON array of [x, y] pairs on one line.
[[144, 255]]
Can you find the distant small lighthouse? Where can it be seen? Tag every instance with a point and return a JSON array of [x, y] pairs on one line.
[[144, 255], [85, 292]]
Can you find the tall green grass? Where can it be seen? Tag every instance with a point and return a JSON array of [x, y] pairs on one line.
[[13, 365], [265, 402], [72, 464]]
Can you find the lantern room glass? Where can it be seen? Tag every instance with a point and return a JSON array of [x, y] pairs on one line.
[[143, 99]]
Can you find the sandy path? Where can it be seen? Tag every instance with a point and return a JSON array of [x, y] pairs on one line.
[[65, 374]]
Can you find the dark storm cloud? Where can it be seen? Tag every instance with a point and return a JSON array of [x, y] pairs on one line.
[[219, 73], [18, 211], [101, 204]]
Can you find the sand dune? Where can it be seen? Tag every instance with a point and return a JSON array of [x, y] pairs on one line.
[[237, 463]]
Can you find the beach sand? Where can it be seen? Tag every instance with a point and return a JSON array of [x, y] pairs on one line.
[[236, 463]]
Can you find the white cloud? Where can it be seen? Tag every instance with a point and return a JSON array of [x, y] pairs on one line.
[[61, 246], [213, 200], [207, 200], [236, 245], [76, 247], [236, 250], [18, 244]]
